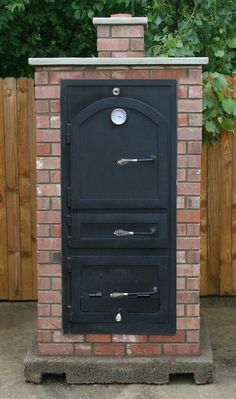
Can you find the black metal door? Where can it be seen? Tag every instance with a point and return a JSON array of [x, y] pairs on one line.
[[118, 205]]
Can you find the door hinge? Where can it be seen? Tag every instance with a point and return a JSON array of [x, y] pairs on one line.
[[69, 310], [69, 197], [68, 133], [68, 264]]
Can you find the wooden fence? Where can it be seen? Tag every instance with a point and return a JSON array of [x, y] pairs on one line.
[[218, 216], [17, 201], [17, 190]]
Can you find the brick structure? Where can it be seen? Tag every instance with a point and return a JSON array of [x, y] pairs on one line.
[[124, 40]]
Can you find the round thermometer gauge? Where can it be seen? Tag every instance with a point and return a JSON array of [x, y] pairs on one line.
[[118, 116]]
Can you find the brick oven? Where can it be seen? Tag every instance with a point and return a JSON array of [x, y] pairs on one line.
[[118, 213]]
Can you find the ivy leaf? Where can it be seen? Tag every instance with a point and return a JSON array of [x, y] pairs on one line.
[[219, 53], [229, 105], [232, 43], [211, 126], [227, 124], [219, 81]]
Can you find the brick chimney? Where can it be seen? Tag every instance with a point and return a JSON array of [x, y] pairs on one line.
[[121, 35]]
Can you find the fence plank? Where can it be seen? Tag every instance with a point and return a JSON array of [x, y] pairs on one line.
[[3, 221], [225, 214], [12, 183], [24, 188], [233, 82], [203, 224]]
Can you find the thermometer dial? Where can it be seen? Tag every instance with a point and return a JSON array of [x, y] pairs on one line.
[[118, 116]]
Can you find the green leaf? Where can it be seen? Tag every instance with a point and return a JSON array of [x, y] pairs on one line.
[[219, 82], [211, 126], [232, 43], [229, 105], [227, 124], [219, 53]]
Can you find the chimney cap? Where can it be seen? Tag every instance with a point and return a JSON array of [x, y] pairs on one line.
[[117, 19]]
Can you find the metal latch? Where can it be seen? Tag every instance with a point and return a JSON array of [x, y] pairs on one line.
[[125, 161], [123, 233], [137, 294]]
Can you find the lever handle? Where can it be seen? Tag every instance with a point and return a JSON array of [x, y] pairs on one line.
[[123, 233], [137, 294], [125, 161]]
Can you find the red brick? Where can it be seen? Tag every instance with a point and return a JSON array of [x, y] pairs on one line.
[[49, 270], [49, 323], [143, 350], [42, 149], [190, 105], [189, 133], [55, 122], [56, 230], [83, 349], [42, 121], [55, 106], [187, 297], [193, 283], [49, 297], [129, 338], [127, 31], [182, 119], [121, 15], [181, 229], [72, 338], [48, 163], [56, 310], [188, 161], [182, 91], [41, 106], [193, 336], [43, 257], [42, 176], [181, 257], [195, 119], [193, 256], [194, 147], [48, 136], [104, 54], [193, 230], [193, 202], [55, 177], [179, 74], [188, 270], [49, 217], [181, 176], [41, 78], [130, 74], [180, 202], [47, 92], [122, 54], [188, 189], [193, 310], [188, 242], [49, 243], [56, 283], [195, 91], [195, 76], [55, 77], [48, 190], [137, 44], [56, 149], [108, 349], [55, 349], [180, 283], [98, 337], [56, 203], [178, 337], [180, 310], [103, 31], [181, 349], [97, 74], [44, 309], [44, 283], [44, 336], [188, 323], [112, 44], [181, 147], [193, 175]]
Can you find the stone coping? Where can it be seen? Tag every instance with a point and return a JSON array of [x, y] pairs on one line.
[[59, 61], [121, 21]]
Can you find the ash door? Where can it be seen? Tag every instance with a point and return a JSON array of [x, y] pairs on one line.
[[118, 213]]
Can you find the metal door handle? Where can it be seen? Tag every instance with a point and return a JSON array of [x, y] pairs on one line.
[[123, 233], [137, 294], [125, 161]]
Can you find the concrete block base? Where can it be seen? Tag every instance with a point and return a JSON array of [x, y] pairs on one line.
[[122, 370]]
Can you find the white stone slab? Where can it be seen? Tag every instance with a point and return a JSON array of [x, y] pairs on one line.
[[60, 61], [121, 21]]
